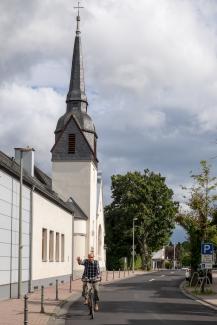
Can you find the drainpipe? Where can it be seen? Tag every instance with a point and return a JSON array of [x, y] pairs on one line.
[[73, 226], [31, 240]]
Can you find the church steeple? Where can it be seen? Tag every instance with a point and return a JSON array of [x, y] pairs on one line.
[[76, 109], [76, 97]]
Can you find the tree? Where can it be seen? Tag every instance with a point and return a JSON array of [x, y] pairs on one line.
[[199, 219], [146, 198]]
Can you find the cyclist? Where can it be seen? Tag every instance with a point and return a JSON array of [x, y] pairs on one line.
[[91, 270]]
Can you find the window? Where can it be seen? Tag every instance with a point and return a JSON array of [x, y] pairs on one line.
[[71, 143], [57, 251], [51, 246], [62, 248], [44, 245]]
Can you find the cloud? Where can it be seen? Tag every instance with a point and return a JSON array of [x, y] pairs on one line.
[[28, 117], [151, 80]]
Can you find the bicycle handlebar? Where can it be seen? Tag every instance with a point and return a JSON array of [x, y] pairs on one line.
[[92, 280]]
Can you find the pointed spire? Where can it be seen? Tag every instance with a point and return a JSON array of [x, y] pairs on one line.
[[76, 92]]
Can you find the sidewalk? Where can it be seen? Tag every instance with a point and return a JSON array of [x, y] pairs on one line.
[[12, 310], [210, 298]]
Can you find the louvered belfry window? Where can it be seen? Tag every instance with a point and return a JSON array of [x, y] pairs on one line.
[[71, 143]]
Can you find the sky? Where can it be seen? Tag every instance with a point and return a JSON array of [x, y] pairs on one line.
[[150, 75]]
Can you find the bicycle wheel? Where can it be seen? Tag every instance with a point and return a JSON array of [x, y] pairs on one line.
[[91, 305]]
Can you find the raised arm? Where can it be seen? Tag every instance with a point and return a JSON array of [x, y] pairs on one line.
[[79, 260]]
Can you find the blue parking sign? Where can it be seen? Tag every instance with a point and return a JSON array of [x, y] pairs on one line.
[[207, 249]]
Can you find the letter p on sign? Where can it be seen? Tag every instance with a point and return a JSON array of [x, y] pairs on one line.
[[207, 249]]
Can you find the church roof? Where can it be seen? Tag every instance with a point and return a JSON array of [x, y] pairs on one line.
[[79, 128], [77, 86], [41, 182], [76, 208]]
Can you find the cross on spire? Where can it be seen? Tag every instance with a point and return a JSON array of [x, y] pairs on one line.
[[78, 7], [78, 18]]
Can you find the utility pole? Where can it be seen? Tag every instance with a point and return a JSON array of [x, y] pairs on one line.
[[134, 219]]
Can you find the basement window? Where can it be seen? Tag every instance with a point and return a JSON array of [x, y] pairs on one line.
[[71, 143]]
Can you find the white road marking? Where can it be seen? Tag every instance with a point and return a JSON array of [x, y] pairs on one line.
[[151, 280], [162, 275]]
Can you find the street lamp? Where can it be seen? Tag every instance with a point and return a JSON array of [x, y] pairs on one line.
[[174, 256], [21, 151], [134, 219]]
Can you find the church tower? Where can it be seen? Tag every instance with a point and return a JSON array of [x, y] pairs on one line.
[[74, 155]]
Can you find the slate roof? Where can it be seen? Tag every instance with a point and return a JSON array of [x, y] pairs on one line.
[[41, 182]]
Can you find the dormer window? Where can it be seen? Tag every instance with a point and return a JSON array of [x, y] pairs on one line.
[[71, 144]]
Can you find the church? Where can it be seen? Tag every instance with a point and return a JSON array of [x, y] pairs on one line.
[[46, 222]]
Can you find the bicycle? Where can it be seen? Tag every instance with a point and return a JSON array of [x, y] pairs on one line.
[[91, 295]]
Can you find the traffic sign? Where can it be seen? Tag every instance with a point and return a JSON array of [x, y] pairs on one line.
[[206, 258], [206, 249], [206, 265]]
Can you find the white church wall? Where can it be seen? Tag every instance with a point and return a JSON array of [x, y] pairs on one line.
[[100, 230], [93, 198], [72, 178], [80, 226], [47, 215], [9, 233], [79, 180]]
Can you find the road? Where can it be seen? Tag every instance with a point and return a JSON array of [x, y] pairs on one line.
[[150, 299]]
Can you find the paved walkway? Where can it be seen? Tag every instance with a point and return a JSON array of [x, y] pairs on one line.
[[12, 310]]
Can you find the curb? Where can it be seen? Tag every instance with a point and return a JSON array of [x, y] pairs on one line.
[[196, 298], [63, 307]]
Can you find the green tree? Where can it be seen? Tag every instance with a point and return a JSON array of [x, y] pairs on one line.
[[198, 219], [146, 198]]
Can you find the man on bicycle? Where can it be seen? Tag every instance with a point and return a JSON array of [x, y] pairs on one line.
[[91, 271]]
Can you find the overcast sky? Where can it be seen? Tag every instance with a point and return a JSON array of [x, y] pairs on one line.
[[150, 73]]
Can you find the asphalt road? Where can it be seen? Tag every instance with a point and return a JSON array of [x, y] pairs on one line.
[[150, 299]]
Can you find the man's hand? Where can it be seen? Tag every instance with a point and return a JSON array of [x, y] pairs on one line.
[[79, 259]]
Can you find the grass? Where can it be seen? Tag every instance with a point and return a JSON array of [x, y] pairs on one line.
[[206, 292]]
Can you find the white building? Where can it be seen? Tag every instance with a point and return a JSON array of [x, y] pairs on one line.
[[63, 215]]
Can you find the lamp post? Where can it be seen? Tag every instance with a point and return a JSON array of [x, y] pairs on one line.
[[21, 150], [134, 219], [174, 256]]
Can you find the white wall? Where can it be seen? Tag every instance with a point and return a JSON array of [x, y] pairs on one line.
[[101, 254], [93, 198], [9, 229], [51, 217], [78, 179], [80, 234], [72, 178]]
